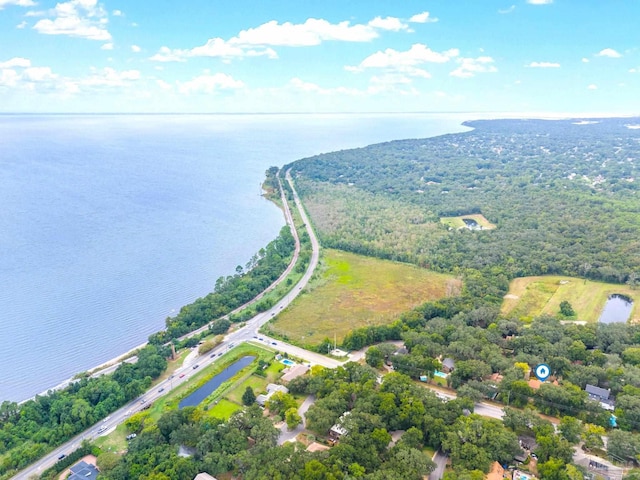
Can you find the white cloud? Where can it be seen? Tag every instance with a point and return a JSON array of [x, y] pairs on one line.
[[543, 65], [593, 86], [608, 52], [424, 17], [210, 83], [393, 59], [470, 66], [19, 3], [633, 70], [507, 10], [109, 77], [16, 62], [107, 46], [117, 13], [164, 85], [76, 18], [135, 48], [217, 47], [389, 23], [259, 41], [540, 2], [21, 24], [165, 54], [585, 60], [38, 74], [312, 32]]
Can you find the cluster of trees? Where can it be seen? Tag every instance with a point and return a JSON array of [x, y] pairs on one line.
[[483, 343], [29, 430], [563, 197], [232, 291], [472, 442]]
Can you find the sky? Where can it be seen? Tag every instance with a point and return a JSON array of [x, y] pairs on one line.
[[577, 57]]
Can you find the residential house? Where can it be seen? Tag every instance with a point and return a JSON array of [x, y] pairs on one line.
[[496, 472], [338, 431], [83, 471], [294, 372], [448, 365], [271, 389], [601, 395], [204, 476]]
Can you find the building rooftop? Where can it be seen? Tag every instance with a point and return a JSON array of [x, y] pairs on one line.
[[83, 471]]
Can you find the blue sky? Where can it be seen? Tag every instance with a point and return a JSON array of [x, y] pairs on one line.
[[527, 56]]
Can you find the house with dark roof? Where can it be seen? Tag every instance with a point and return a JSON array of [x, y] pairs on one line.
[[83, 471], [448, 365], [601, 395]]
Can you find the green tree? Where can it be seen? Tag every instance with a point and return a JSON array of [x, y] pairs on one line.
[[280, 402], [248, 397], [292, 418], [571, 429], [592, 436], [566, 309]]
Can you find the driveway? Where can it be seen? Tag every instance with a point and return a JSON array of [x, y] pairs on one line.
[[287, 435]]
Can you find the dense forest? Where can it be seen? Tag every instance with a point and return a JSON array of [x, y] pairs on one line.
[[563, 195]]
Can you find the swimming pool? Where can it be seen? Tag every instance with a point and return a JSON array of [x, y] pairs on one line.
[[287, 362], [440, 374]]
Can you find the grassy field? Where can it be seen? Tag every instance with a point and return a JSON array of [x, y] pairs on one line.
[[529, 297], [457, 222], [354, 291], [224, 409]]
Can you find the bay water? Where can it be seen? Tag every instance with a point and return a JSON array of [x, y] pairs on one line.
[[111, 223]]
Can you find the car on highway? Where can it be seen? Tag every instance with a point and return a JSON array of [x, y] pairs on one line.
[[212, 355], [181, 375], [61, 456], [102, 429], [161, 390], [142, 400], [274, 343], [195, 366]]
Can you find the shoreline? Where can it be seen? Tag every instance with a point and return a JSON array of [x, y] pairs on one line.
[[116, 361]]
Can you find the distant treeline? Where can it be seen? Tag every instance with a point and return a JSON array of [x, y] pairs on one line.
[[562, 194]]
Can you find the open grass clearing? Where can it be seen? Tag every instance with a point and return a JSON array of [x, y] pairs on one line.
[[530, 297], [353, 291], [258, 384], [224, 409], [458, 222]]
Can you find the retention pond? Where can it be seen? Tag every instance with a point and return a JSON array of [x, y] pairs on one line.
[[617, 309], [212, 385]]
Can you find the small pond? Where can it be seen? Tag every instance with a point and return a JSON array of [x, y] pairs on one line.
[[208, 388], [617, 309]]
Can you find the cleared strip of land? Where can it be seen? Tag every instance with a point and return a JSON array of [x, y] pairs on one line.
[[354, 291], [530, 297]]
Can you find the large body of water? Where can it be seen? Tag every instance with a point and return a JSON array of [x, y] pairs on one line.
[[109, 224]]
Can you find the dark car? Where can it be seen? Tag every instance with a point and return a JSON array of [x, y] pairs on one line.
[[61, 456], [161, 390], [195, 366]]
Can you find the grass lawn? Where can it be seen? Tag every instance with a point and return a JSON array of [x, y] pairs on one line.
[[354, 291], [224, 409], [530, 297], [258, 384], [457, 222]]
